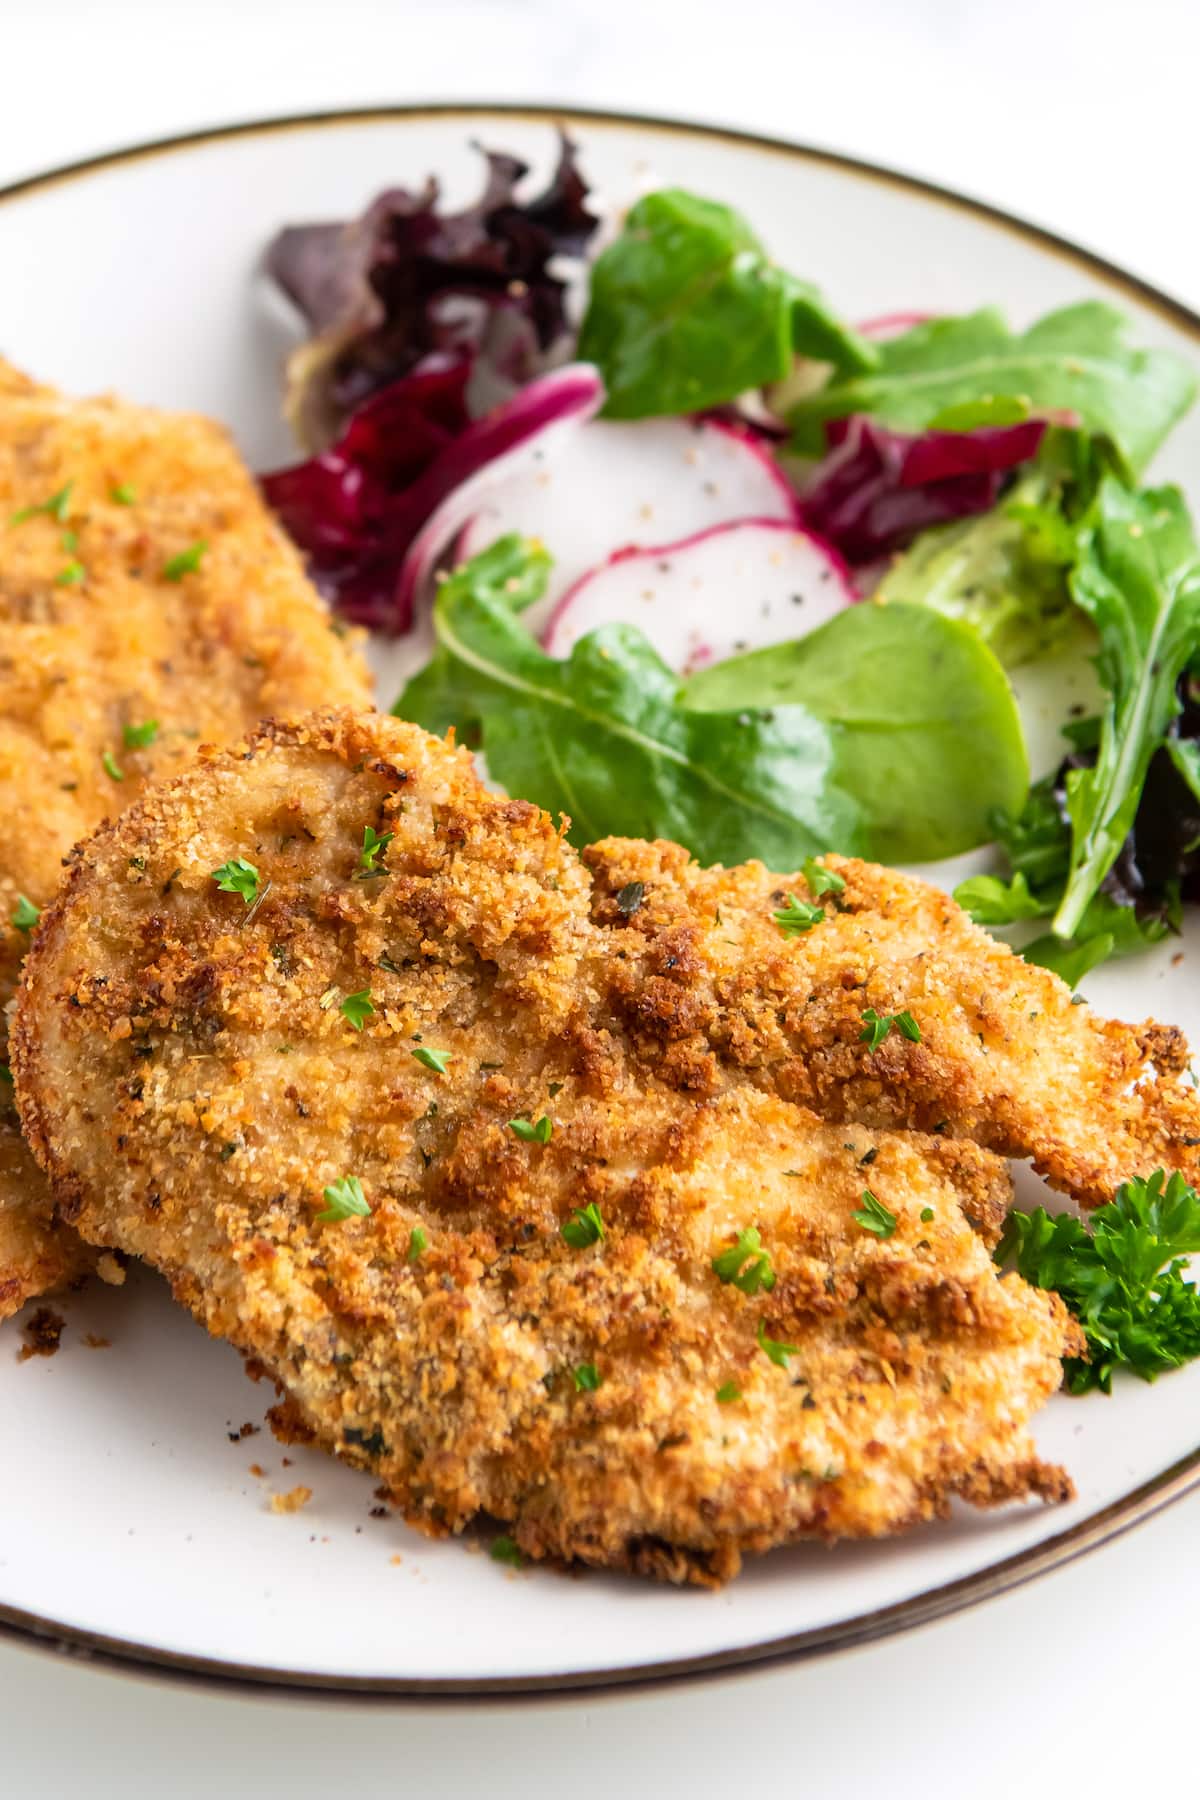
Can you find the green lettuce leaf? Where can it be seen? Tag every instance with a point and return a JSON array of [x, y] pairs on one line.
[[1006, 572], [1074, 361], [686, 311]]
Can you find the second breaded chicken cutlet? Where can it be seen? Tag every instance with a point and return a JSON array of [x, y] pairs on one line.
[[375, 1115], [148, 602]]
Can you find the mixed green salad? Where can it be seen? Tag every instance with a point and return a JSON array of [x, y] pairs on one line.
[[713, 563], [698, 558]]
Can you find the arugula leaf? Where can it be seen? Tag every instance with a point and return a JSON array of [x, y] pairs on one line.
[[1138, 580], [1075, 360], [1107, 928], [1185, 754], [910, 699], [602, 737], [1123, 1280], [1038, 845], [686, 310]]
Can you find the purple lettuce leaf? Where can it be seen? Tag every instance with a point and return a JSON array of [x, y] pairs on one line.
[[382, 292]]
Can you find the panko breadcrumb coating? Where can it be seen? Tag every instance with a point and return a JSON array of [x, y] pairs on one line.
[[148, 601], [706, 984], [522, 1323]]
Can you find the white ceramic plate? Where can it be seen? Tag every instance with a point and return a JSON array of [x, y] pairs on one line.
[[129, 1522]]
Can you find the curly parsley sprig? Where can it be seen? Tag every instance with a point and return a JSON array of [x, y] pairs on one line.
[[1123, 1280]]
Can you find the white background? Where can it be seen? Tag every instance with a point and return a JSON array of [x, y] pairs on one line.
[[1080, 114]]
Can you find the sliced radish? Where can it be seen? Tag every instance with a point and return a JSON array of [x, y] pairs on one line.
[[733, 587], [509, 443], [890, 325], [626, 485]]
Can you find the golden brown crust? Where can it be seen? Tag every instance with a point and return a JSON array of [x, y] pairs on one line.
[[704, 979], [205, 656], [186, 1074]]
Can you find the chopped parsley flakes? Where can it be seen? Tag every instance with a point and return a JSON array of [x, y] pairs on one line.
[[504, 1550], [745, 1264], [728, 1392], [584, 1227], [418, 1243], [437, 1060], [57, 507], [820, 880], [71, 575], [237, 876], [586, 1378], [773, 1349], [344, 1199], [874, 1216], [111, 767], [877, 1025], [541, 1133], [797, 916], [122, 494], [26, 914], [373, 845], [140, 737], [356, 1009], [186, 563]]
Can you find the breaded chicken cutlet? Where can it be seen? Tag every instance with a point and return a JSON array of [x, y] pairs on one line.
[[705, 981], [147, 602], [519, 1322]]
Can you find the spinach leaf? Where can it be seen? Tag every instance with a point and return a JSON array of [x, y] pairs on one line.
[[603, 738], [1138, 580], [924, 729], [686, 311], [1075, 360]]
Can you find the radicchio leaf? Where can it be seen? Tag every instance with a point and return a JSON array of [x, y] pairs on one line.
[[876, 489], [363, 510]]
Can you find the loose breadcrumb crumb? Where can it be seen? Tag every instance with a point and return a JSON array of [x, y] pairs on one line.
[[292, 1501], [43, 1333]]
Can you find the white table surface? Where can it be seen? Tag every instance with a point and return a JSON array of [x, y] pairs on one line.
[[1077, 113]]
